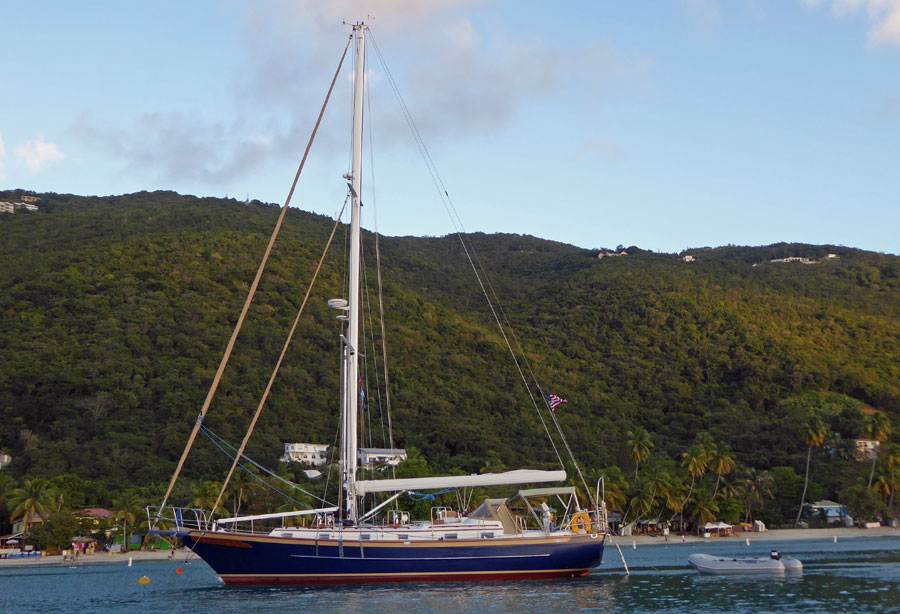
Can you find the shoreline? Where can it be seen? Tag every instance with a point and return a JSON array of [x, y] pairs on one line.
[[98, 558], [772, 535]]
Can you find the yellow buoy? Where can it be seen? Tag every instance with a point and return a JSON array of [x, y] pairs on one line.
[[144, 580]]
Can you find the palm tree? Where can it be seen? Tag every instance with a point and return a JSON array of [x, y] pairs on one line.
[[614, 488], [642, 501], [36, 498], [640, 444], [879, 429], [893, 462], [705, 507], [721, 463], [664, 489], [757, 486], [816, 431], [243, 485], [707, 445], [695, 461], [130, 510], [205, 495], [885, 487]]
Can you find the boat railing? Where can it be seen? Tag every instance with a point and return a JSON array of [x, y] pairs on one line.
[[174, 519]]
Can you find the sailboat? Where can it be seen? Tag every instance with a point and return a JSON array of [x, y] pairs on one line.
[[346, 544]]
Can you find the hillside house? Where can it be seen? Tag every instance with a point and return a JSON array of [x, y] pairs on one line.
[[866, 449], [314, 454], [8, 207], [796, 259], [372, 457]]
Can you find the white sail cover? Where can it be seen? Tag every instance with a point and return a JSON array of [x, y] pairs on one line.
[[520, 476]]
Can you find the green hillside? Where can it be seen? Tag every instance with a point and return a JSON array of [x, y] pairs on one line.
[[115, 312]]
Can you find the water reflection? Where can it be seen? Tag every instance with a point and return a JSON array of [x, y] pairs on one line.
[[857, 576]]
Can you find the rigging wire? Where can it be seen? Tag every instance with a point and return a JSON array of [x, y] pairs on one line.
[[284, 350], [262, 265], [369, 339], [384, 354], [222, 444], [340, 345], [454, 218], [371, 330]]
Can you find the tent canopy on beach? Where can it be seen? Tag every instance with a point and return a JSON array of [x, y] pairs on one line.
[[719, 528]]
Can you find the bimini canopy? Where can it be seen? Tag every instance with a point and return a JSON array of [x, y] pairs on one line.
[[520, 476]]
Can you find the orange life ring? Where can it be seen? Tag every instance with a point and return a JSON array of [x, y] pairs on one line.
[[581, 523]]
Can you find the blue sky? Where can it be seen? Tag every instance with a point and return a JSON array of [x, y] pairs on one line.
[[666, 124]]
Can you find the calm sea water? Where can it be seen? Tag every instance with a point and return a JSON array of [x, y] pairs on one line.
[[850, 576]]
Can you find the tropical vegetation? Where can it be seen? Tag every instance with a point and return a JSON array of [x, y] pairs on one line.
[[731, 387]]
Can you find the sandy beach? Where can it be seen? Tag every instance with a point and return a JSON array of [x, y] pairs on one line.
[[103, 558], [99, 558]]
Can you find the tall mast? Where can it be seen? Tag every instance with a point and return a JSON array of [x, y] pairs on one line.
[[351, 372]]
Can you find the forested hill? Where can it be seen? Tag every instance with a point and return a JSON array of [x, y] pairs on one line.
[[116, 310]]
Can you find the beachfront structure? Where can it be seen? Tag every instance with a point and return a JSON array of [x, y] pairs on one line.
[[370, 457], [306, 453], [719, 529], [834, 512]]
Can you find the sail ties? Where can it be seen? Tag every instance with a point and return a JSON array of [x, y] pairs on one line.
[[262, 265]]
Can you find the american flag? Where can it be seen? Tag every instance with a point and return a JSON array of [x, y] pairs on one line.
[[555, 401]]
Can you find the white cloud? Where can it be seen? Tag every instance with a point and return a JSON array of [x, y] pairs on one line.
[[2, 148], [38, 153], [175, 147], [461, 72], [883, 14]]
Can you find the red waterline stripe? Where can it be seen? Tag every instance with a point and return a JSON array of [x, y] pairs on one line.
[[310, 580]]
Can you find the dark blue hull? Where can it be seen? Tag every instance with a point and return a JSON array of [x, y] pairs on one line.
[[244, 559]]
